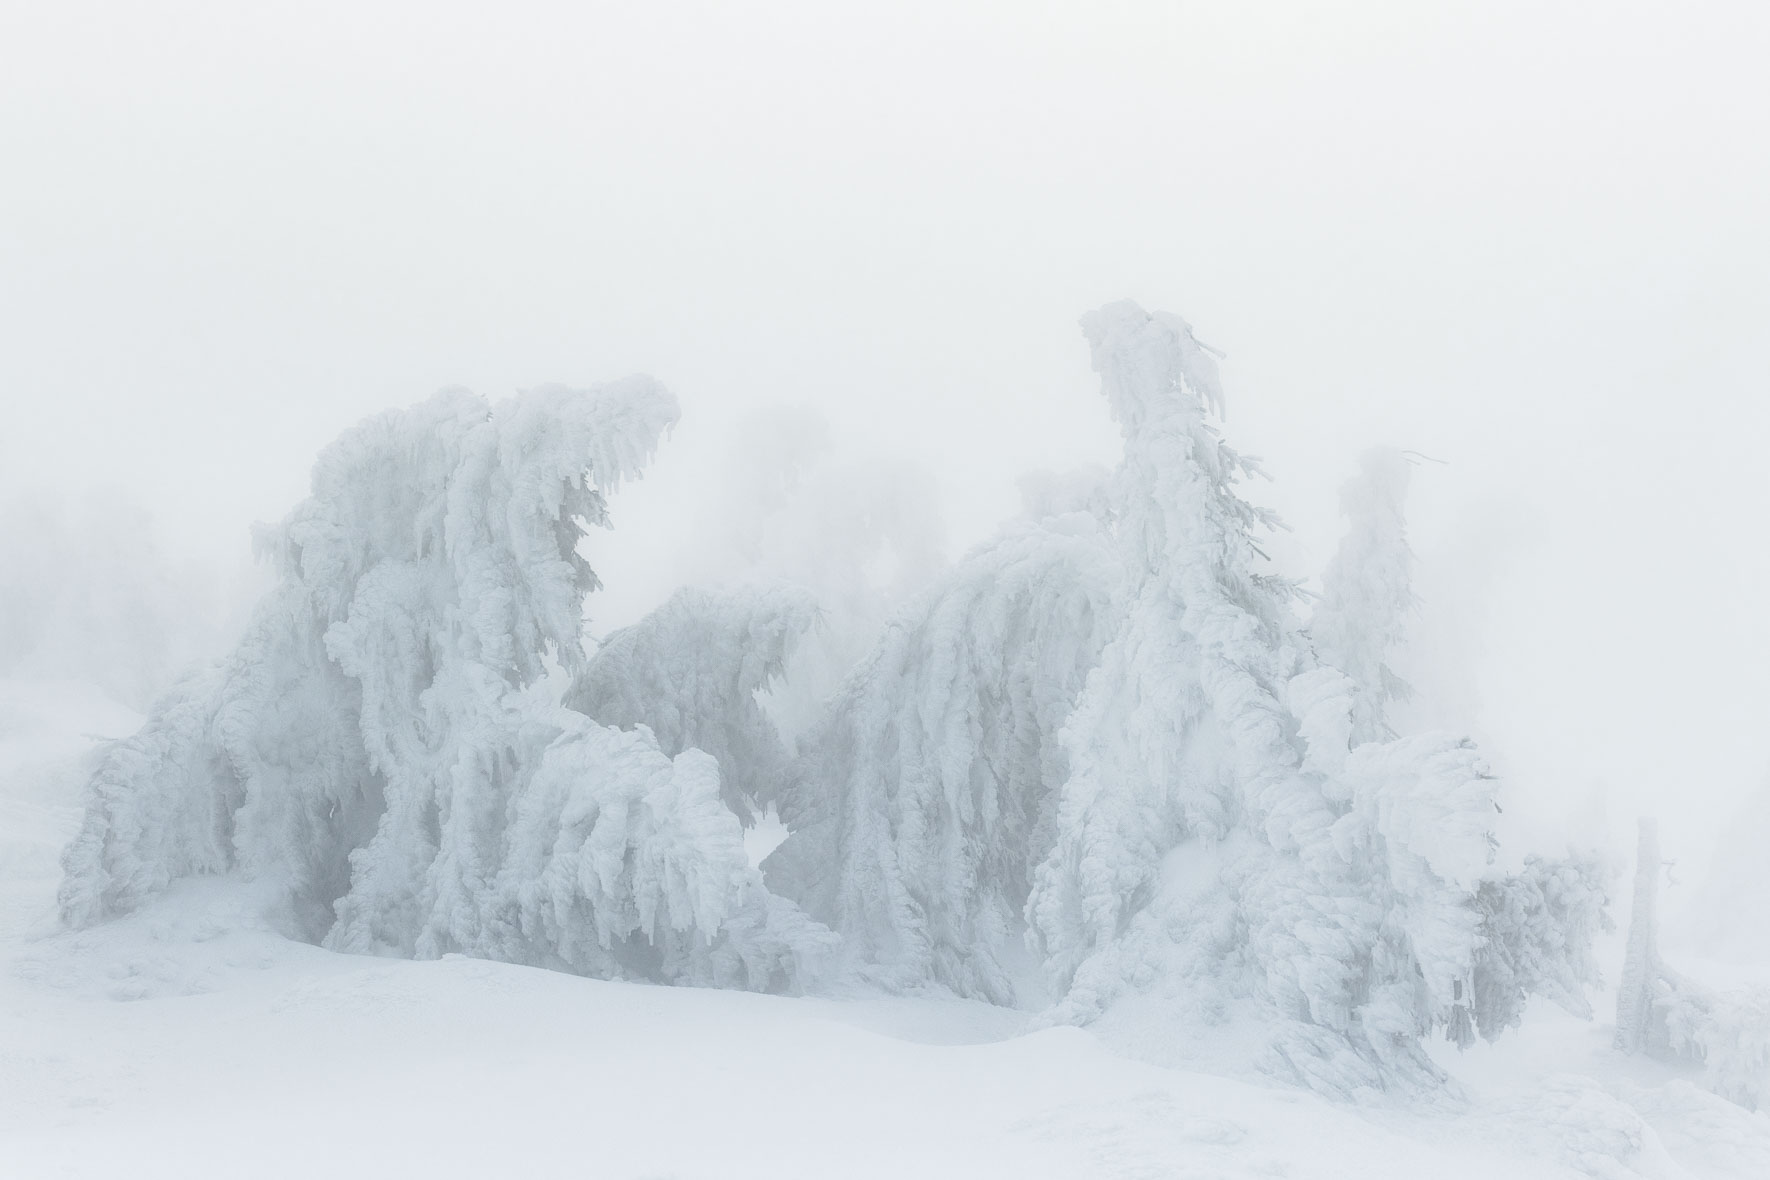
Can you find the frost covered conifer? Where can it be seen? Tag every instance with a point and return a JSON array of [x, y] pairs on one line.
[[1367, 591], [1223, 838], [926, 796], [381, 749]]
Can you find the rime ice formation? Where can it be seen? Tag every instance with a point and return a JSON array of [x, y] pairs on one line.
[[379, 748]]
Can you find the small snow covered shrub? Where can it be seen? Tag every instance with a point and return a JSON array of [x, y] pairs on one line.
[[382, 747]]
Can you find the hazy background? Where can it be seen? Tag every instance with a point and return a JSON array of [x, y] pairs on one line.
[[1528, 239]]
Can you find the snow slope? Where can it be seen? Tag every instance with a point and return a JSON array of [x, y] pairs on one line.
[[189, 1041]]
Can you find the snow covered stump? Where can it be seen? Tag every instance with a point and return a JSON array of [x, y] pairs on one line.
[[1663, 1014], [1640, 1020], [383, 756]]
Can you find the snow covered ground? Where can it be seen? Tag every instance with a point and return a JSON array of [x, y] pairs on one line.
[[189, 1041]]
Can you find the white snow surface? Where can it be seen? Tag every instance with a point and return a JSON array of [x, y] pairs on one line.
[[188, 1040]]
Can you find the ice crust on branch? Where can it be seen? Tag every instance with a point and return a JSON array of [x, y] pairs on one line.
[[381, 746], [926, 796]]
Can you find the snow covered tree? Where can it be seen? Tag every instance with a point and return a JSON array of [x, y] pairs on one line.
[[381, 750], [1197, 624], [690, 672], [926, 796], [1222, 836], [1367, 591], [1538, 924]]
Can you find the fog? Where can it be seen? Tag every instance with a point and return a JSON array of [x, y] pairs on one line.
[[1525, 240], [939, 782]]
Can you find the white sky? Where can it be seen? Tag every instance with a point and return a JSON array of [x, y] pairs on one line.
[[1526, 238]]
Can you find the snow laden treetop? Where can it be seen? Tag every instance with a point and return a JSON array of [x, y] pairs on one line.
[[1101, 760]]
